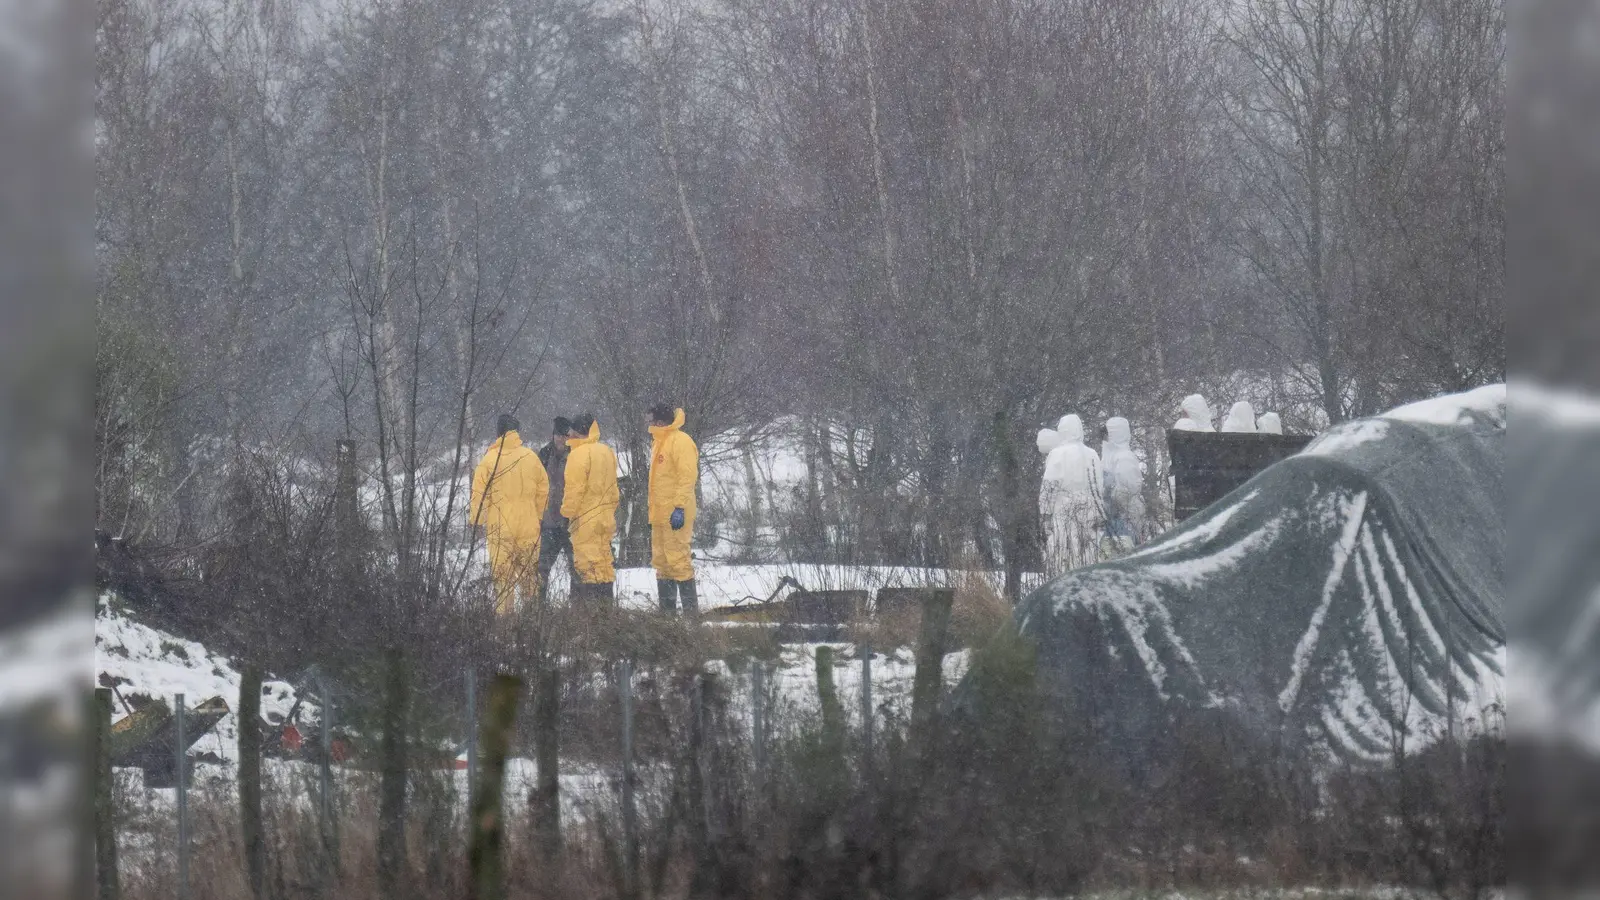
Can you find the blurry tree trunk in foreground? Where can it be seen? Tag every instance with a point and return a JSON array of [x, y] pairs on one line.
[[250, 831], [486, 867], [546, 799], [394, 774]]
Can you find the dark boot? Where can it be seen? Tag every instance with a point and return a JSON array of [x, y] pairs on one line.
[[582, 593], [667, 595], [688, 597]]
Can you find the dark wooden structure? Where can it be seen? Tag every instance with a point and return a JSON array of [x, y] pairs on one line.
[[144, 738], [1206, 466]]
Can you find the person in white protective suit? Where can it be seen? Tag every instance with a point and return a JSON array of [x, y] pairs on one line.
[[1048, 440], [1122, 478], [1269, 423], [1241, 419], [1196, 415], [1069, 500]]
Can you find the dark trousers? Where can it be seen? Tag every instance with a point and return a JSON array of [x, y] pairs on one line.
[[552, 543]]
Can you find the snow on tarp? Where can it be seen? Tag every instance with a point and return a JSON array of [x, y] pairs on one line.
[[1341, 599]]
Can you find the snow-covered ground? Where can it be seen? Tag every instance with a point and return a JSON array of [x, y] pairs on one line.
[[149, 662], [146, 661]]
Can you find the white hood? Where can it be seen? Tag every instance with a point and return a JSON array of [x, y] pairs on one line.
[[1241, 418], [1269, 423], [1118, 432], [1071, 429], [1196, 414]]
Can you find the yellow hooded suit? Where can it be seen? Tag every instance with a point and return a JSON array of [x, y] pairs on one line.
[[509, 490], [590, 505], [674, 469]]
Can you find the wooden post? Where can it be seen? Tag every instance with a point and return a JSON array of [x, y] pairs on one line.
[[346, 513], [547, 756], [704, 684], [486, 879], [394, 773], [180, 749], [346, 501], [107, 879], [929, 679], [630, 815], [699, 792], [328, 824], [250, 778]]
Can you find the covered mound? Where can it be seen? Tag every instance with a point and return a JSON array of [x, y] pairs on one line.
[[1347, 599]]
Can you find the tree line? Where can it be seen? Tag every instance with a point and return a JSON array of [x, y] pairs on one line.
[[908, 232]]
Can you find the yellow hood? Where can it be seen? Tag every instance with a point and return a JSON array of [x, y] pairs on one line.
[[660, 431], [594, 437], [674, 469]]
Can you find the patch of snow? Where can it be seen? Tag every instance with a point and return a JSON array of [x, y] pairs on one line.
[[794, 680], [1201, 532], [1355, 513], [157, 664], [1191, 572], [1351, 708], [47, 660], [1347, 437], [720, 585], [1448, 409], [1135, 625]]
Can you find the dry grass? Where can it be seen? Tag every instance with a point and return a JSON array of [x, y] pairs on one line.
[[977, 612]]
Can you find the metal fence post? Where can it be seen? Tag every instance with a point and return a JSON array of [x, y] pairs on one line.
[[105, 824], [866, 708], [330, 837], [630, 815], [180, 753], [472, 734], [758, 716]]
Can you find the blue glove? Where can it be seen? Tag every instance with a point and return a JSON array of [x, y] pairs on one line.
[[677, 518]]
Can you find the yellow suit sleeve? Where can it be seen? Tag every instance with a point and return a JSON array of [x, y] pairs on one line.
[[541, 488], [480, 484], [577, 478], [688, 471]]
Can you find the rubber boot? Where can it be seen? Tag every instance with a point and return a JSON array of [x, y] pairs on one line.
[[667, 595], [582, 593], [688, 597]]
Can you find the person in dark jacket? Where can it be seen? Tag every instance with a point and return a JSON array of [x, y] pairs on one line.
[[556, 536]]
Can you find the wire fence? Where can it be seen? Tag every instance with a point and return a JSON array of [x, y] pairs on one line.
[[707, 694]]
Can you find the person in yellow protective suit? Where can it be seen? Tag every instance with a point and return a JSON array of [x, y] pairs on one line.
[[509, 489], [674, 469], [590, 506]]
